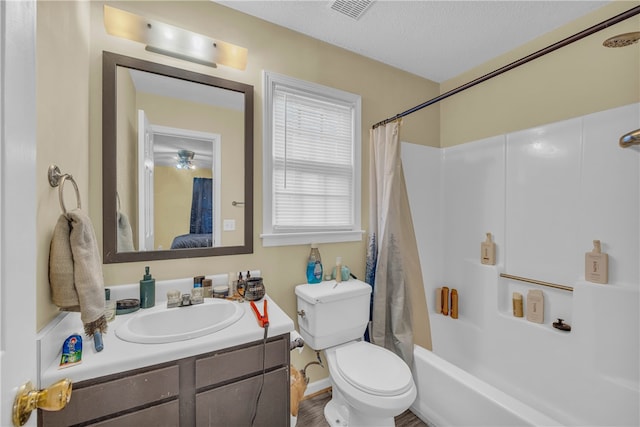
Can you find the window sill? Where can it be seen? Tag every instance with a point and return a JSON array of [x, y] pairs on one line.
[[287, 239]]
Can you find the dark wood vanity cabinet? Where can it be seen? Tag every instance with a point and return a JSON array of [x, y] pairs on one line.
[[234, 404], [221, 388]]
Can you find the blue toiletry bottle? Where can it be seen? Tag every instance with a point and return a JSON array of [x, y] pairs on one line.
[[314, 265], [147, 290]]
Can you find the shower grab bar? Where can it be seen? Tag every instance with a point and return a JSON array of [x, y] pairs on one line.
[[537, 282]]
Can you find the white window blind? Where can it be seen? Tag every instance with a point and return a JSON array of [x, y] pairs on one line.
[[312, 163]]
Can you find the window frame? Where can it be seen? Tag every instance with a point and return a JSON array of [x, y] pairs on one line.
[[269, 236]]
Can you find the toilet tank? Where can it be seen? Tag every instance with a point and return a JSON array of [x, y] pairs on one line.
[[333, 314]]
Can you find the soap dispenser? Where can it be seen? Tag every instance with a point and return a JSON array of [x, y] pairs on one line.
[[147, 290]]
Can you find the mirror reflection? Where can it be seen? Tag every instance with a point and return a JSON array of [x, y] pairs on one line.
[[180, 149]]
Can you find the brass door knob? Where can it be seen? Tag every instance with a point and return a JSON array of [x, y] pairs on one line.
[[53, 398]]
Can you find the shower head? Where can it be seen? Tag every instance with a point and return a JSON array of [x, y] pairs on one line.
[[629, 139], [622, 40]]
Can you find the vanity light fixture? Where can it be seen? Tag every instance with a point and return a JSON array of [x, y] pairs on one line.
[[173, 41]]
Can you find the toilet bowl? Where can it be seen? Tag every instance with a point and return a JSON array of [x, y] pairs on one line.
[[371, 385]]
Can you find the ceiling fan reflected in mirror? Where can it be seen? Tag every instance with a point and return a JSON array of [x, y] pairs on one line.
[[185, 159]]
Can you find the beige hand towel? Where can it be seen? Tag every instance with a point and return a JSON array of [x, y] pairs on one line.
[[86, 268], [63, 290]]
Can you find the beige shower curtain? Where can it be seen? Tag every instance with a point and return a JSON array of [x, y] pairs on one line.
[[399, 309]]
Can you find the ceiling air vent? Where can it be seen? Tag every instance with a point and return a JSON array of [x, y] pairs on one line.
[[352, 8]]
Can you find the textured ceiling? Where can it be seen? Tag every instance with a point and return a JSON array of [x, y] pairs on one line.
[[437, 40]]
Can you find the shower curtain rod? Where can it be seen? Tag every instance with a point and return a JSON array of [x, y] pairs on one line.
[[562, 43]]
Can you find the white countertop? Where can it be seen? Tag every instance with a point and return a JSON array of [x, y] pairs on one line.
[[119, 355]]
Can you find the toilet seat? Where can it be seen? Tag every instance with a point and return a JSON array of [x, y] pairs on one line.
[[373, 369]]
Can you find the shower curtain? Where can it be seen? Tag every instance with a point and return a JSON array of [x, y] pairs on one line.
[[201, 207], [399, 310]]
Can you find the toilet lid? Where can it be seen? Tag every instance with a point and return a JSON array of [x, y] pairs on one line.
[[373, 369]]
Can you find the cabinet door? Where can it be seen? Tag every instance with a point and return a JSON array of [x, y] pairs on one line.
[[234, 404]]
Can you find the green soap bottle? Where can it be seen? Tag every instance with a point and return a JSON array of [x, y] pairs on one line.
[[147, 290]]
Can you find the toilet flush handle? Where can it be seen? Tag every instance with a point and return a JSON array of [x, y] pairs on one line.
[[301, 313]]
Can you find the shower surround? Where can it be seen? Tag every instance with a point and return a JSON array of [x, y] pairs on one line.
[[545, 194]]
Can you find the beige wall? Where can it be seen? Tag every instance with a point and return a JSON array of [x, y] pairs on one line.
[[581, 78], [173, 203], [62, 95], [578, 79]]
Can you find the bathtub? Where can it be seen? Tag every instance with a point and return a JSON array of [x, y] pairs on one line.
[[506, 371], [450, 396]]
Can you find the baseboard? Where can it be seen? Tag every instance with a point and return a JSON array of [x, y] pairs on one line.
[[317, 387]]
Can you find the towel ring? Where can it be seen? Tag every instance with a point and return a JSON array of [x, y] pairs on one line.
[[57, 179]]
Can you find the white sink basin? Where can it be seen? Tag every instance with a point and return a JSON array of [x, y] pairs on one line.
[[163, 325]]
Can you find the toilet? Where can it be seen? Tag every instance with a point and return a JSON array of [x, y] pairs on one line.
[[370, 384]]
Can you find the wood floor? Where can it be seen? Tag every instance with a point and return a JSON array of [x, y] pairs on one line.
[[311, 414]]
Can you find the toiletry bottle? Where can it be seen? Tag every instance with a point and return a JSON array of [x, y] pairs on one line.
[[438, 300], [454, 303], [147, 290], [517, 305], [109, 306], [445, 300], [197, 293], [535, 306], [488, 251], [231, 283], [314, 265], [240, 284], [338, 269], [596, 265], [207, 287]]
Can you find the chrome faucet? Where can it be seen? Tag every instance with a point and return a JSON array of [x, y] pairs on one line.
[[184, 301]]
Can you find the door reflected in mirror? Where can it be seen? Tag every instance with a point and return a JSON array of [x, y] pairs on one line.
[[177, 157]]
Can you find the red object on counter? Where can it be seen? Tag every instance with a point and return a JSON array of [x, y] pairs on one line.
[[262, 320]]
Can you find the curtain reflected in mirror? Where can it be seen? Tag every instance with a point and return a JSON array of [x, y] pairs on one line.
[[175, 158]]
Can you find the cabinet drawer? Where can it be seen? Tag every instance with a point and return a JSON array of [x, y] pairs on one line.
[[164, 415], [233, 404], [228, 365], [112, 396]]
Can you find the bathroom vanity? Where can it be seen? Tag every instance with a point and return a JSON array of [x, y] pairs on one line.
[[213, 380]]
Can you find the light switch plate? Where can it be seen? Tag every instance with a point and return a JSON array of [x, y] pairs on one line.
[[229, 225]]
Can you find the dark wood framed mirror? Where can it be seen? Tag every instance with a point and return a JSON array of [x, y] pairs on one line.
[[177, 162]]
